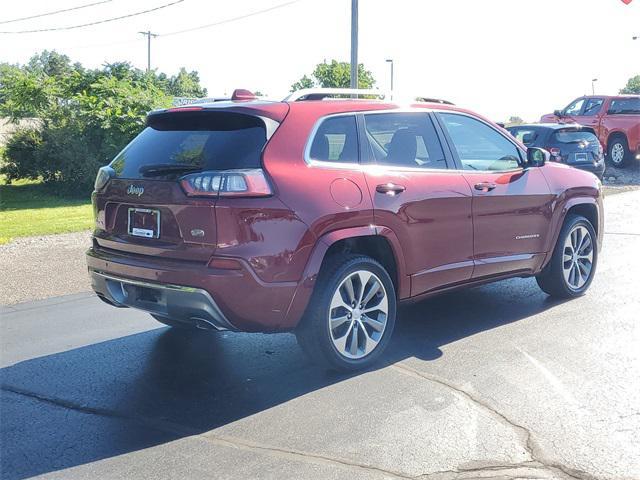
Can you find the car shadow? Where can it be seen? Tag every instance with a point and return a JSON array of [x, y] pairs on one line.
[[135, 392]]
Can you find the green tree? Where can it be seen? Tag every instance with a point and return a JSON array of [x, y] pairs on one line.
[[514, 120], [186, 84], [633, 86], [83, 117], [334, 75]]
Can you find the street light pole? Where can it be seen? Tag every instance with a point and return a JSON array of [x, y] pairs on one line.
[[149, 35], [354, 43], [390, 61], [593, 86]]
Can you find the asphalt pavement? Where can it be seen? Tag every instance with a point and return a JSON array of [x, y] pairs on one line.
[[494, 382]]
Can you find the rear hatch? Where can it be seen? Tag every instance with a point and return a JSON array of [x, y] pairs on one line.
[[157, 197], [577, 145]]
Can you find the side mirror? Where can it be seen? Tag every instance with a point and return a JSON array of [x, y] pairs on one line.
[[537, 157], [558, 113]]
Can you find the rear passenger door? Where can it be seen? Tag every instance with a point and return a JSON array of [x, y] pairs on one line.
[[418, 196], [511, 204]]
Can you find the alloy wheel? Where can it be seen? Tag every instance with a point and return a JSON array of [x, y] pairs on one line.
[[617, 153], [577, 258], [358, 314]]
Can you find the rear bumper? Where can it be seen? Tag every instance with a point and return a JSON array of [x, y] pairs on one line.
[[595, 168], [186, 304], [191, 291]]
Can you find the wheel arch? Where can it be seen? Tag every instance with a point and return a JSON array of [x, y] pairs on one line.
[[588, 207], [380, 243], [616, 134]]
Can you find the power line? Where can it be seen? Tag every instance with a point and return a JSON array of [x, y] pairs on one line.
[[55, 12], [229, 20], [100, 21]]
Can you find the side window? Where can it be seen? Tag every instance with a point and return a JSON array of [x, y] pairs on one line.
[[593, 106], [479, 146], [622, 106], [575, 107], [525, 135], [404, 140], [336, 140]]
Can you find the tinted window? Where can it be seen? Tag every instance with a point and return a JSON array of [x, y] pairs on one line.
[[593, 106], [575, 107], [479, 146], [574, 136], [625, 105], [404, 140], [202, 141], [336, 140], [528, 136]]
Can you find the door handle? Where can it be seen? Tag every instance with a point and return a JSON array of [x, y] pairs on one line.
[[484, 186], [390, 188]]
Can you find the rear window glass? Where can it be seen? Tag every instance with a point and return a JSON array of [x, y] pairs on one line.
[[574, 136], [625, 105], [175, 144]]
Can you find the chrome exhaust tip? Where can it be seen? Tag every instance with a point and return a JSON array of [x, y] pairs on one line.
[[203, 324]]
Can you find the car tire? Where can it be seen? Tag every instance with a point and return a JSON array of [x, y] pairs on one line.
[[573, 263], [174, 323], [351, 315], [618, 152]]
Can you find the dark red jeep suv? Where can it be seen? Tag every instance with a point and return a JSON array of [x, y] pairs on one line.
[[318, 215]]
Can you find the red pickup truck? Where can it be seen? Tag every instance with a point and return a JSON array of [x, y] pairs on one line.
[[615, 119]]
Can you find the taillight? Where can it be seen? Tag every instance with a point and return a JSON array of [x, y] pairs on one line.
[[555, 153], [103, 177], [227, 183]]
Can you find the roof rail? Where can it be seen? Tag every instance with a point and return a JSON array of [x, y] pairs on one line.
[[322, 93], [433, 100]]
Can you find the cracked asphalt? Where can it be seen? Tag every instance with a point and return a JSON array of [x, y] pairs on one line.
[[498, 382]]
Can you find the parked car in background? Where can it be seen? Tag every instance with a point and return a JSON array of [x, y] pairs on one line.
[[615, 119], [572, 144], [319, 217]]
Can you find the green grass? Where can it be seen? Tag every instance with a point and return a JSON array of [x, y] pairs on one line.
[[28, 208]]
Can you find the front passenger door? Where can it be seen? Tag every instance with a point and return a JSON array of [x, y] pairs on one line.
[[511, 204]]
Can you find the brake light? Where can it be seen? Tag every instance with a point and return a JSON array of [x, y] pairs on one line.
[[555, 153], [227, 183], [104, 175], [184, 109]]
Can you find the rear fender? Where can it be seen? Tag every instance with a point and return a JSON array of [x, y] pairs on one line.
[[307, 283]]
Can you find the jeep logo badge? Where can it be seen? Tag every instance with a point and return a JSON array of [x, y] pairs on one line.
[[135, 190]]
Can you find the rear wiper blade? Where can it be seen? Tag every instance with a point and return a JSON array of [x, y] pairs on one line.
[[161, 168]]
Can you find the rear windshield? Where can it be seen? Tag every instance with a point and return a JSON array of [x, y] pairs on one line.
[[177, 143], [574, 136], [625, 106]]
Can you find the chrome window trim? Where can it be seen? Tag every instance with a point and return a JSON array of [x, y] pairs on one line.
[[363, 167], [327, 163]]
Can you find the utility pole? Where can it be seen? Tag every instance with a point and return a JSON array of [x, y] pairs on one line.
[[354, 43], [593, 86], [390, 61], [149, 35]]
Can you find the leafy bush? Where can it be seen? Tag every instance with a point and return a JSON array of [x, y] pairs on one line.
[[85, 117]]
